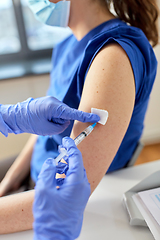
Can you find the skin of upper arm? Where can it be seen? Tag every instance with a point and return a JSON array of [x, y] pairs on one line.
[[16, 212], [109, 85]]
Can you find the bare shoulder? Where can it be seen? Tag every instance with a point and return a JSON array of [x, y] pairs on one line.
[[110, 77], [112, 59], [114, 52]]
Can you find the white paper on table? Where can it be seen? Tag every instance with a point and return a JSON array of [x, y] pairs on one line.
[[151, 199], [150, 220]]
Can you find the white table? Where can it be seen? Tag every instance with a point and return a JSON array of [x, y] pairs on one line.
[[105, 216]]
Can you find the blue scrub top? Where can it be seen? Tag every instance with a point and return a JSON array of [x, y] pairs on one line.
[[70, 63]]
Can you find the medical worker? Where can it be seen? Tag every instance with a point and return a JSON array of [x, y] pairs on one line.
[[107, 63]]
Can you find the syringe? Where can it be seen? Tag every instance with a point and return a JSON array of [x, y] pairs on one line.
[[77, 140]]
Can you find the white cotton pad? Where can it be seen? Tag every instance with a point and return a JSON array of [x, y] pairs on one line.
[[103, 114]]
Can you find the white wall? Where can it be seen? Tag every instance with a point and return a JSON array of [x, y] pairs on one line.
[[151, 132], [152, 121], [13, 91]]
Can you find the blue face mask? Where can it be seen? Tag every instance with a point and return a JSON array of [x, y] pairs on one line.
[[53, 14]]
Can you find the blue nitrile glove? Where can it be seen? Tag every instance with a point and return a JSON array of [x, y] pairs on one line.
[[42, 116], [58, 213], [3, 126]]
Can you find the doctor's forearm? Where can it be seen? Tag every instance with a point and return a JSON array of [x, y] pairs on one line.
[[16, 212]]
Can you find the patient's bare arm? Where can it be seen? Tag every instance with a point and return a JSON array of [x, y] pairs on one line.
[[16, 212], [19, 170], [109, 85]]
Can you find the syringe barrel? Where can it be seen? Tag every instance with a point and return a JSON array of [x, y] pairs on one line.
[[80, 138], [77, 140], [83, 134]]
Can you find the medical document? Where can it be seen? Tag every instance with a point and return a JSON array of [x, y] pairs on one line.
[[151, 199], [148, 203]]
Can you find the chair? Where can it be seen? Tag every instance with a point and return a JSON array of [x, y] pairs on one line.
[[135, 154]]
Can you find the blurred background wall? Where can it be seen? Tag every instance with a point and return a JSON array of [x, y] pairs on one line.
[[152, 121], [13, 91]]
